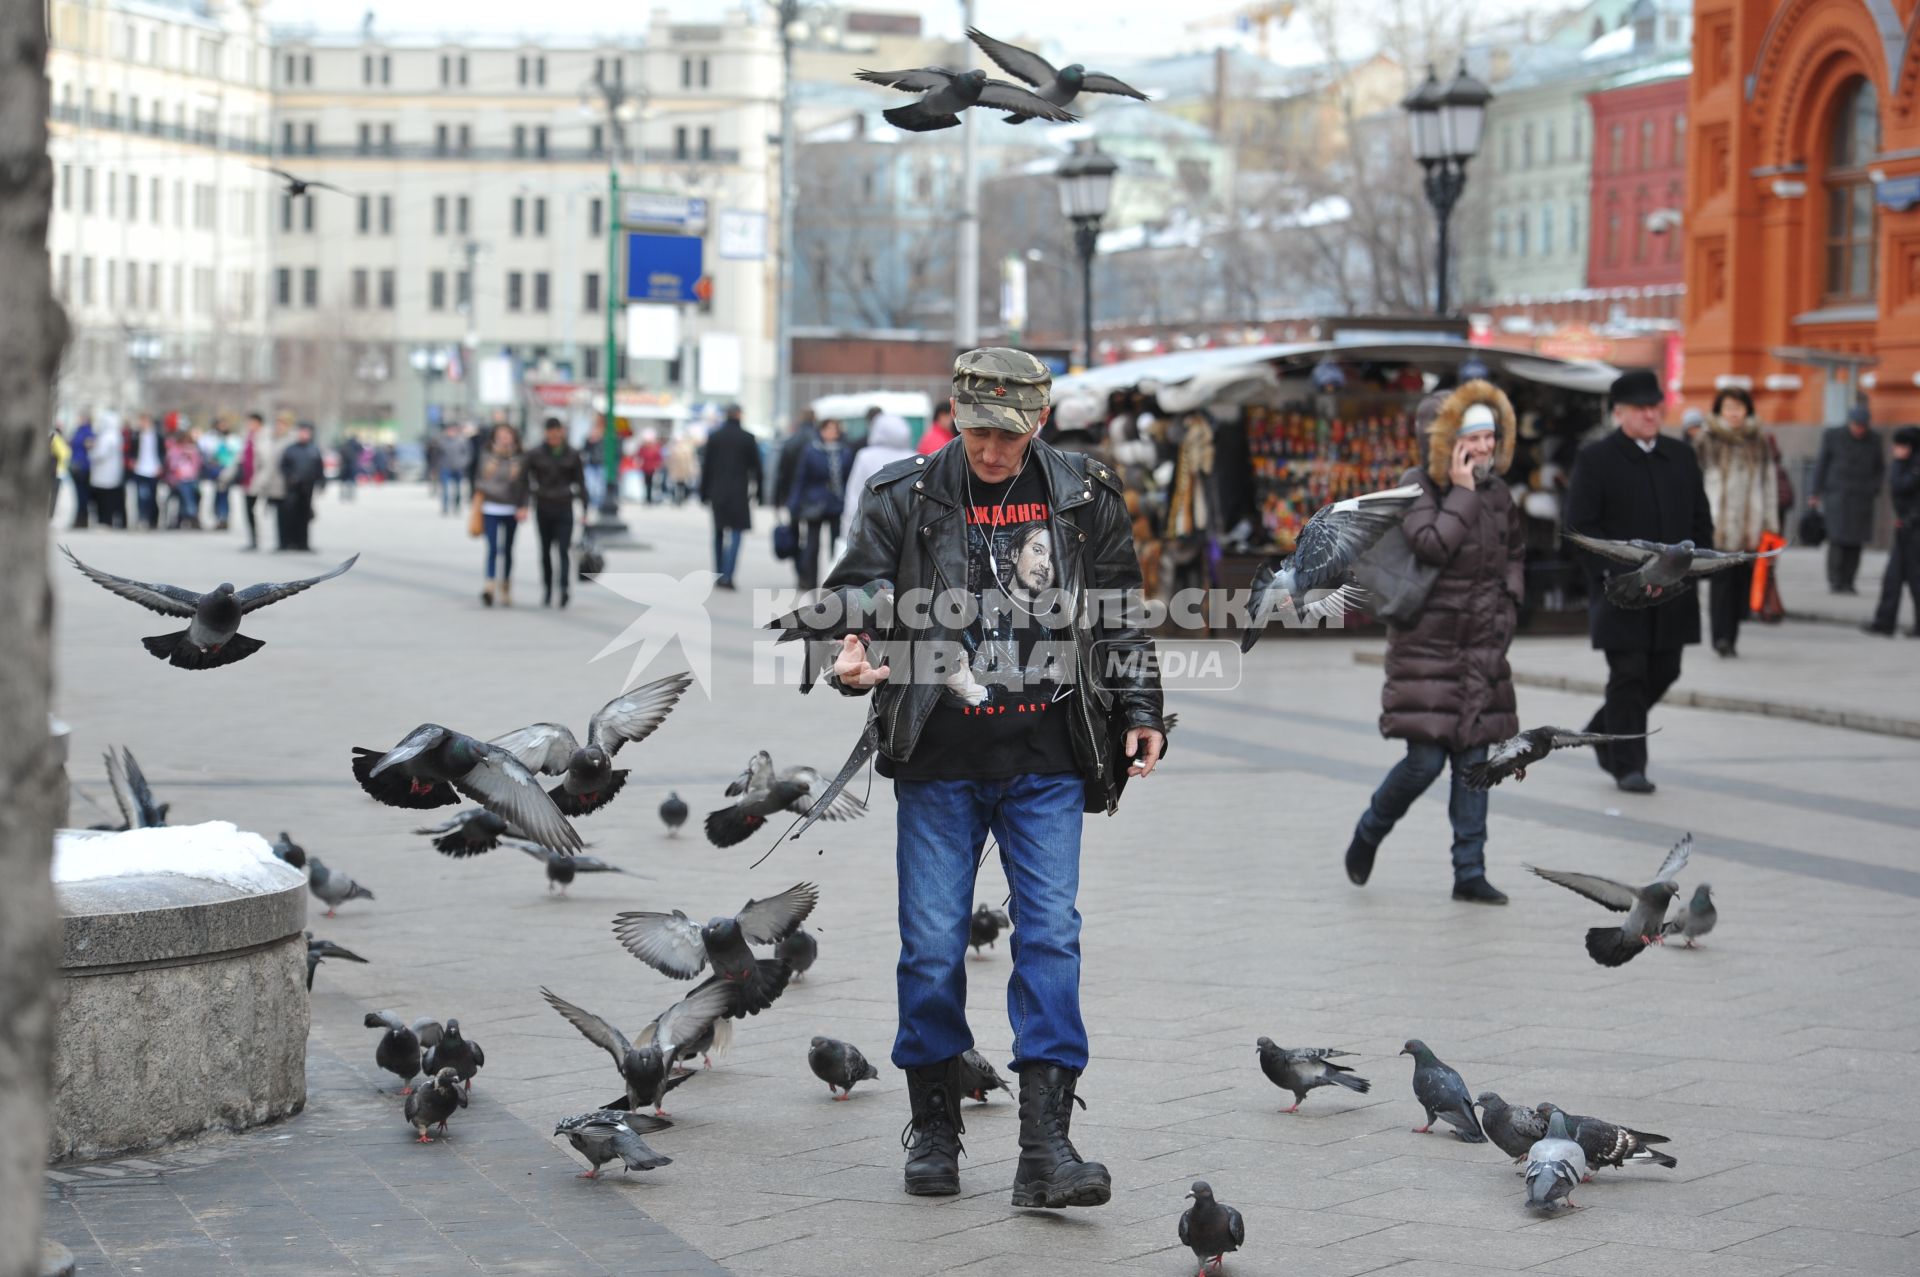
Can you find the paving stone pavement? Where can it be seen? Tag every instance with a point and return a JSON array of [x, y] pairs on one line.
[[1776, 1056]]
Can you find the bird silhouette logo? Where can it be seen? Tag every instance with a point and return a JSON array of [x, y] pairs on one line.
[[671, 609]]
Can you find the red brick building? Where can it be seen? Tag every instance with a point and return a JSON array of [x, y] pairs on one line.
[[1639, 180]]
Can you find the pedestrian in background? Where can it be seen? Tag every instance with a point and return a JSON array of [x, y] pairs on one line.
[[1846, 482], [555, 480], [652, 458], [183, 476], [1743, 484], [268, 484], [220, 452], [500, 486], [683, 464], [252, 448], [1635, 483], [302, 472], [1449, 690], [149, 466], [347, 470], [939, 431], [80, 469], [730, 464], [593, 463], [819, 494], [452, 460], [1903, 565], [892, 441], [799, 437]]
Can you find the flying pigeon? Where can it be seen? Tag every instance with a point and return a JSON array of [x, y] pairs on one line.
[[471, 831], [948, 93], [610, 1135], [319, 950], [673, 812], [648, 1070], [333, 886], [432, 765], [1512, 756], [675, 945], [285, 848], [461, 1054], [1555, 1164], [839, 1064], [985, 926], [548, 749], [862, 611], [398, 1051], [833, 802], [1645, 907], [561, 867], [1058, 86], [1661, 572], [759, 792], [212, 638], [298, 186], [1608, 1145], [1696, 920], [132, 794], [435, 1102], [799, 950], [1323, 553], [1512, 1129], [978, 1076], [714, 1040], [1442, 1093], [1210, 1229], [1301, 1069]]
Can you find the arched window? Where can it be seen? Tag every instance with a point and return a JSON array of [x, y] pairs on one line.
[[1852, 222]]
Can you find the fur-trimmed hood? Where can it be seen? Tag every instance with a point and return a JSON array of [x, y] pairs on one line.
[[1446, 427]]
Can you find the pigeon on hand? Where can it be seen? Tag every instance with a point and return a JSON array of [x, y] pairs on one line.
[[1323, 554], [1608, 1145], [1058, 86], [648, 1070], [759, 792], [1512, 757], [862, 611], [398, 1051], [1555, 1164], [561, 867], [432, 764], [1645, 907], [435, 1102], [548, 749], [978, 1076], [1300, 1069], [673, 813], [461, 1054], [948, 93], [675, 945], [1696, 920], [212, 637], [1210, 1229], [985, 926], [607, 1135], [319, 950], [296, 187], [1442, 1093], [132, 794], [839, 1064], [471, 831], [285, 848], [332, 886], [1661, 572], [798, 950], [1512, 1129]]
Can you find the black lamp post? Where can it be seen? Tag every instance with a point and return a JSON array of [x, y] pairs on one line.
[[1086, 188], [1446, 123]]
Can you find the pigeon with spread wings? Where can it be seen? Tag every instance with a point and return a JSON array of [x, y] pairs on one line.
[[759, 792], [1323, 554], [1645, 907], [591, 780], [947, 93], [675, 945], [1661, 572], [131, 793], [433, 765], [648, 1070], [1058, 85], [299, 186], [1512, 757]]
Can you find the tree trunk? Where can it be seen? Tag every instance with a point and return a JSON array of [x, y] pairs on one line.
[[32, 331]]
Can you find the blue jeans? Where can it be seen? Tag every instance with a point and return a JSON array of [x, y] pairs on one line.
[[942, 826], [222, 502], [499, 529], [726, 551], [449, 491], [188, 495], [1466, 808], [146, 499]]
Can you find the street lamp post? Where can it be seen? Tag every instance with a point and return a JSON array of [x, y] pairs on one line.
[[1086, 187], [621, 106], [1445, 122], [799, 21]]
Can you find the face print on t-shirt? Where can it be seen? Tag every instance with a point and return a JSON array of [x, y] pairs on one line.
[[1011, 575]]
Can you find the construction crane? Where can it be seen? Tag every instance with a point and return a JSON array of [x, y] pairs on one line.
[[1259, 18]]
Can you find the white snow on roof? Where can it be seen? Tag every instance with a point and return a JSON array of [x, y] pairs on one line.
[[1613, 44], [214, 852]]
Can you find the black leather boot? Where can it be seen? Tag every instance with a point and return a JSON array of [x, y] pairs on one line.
[[1052, 1173], [932, 1135]]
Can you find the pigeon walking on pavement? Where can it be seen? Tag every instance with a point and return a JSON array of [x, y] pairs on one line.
[[1512, 1128], [759, 792], [648, 1070], [1442, 1093], [398, 1051], [589, 778], [1323, 555], [978, 1077], [1555, 1165], [985, 926], [471, 831], [675, 945], [320, 950], [1059, 86], [947, 93], [561, 867], [610, 1135], [332, 886], [1661, 572], [454, 1051], [1211, 1229], [433, 1103], [1301, 1069], [1696, 920], [212, 637], [1606, 1144], [673, 812], [1645, 907], [799, 950], [1512, 757], [839, 1064], [432, 766]]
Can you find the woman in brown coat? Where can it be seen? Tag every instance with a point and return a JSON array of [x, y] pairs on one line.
[[1449, 693]]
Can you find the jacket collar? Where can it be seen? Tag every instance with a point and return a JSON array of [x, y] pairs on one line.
[[1634, 449]]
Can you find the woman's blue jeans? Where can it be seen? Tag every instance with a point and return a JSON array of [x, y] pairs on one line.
[[499, 529], [1466, 808]]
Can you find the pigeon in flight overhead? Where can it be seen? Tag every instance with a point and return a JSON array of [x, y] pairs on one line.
[[1608, 1145], [673, 813], [435, 1102], [1696, 920], [561, 867], [1645, 907], [1301, 1069], [1555, 1164], [1323, 554], [471, 831], [799, 950], [947, 93], [320, 950], [648, 1070], [333, 886], [590, 780], [398, 1051], [1512, 1129], [1059, 86], [132, 794], [432, 765], [1512, 756], [1660, 572], [985, 926], [978, 1077], [609, 1135], [863, 611], [285, 848], [675, 945], [298, 186], [454, 1051], [1442, 1093], [759, 792], [1211, 1229], [839, 1064], [212, 637]]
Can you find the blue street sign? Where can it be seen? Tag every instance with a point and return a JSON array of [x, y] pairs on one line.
[[1899, 193], [662, 268]]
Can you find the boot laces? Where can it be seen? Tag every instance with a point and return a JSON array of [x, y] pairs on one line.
[[1056, 1114], [935, 1124]]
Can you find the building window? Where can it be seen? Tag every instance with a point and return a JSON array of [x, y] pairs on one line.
[[1617, 148], [66, 187], [439, 139], [86, 190], [515, 281], [593, 217], [590, 293], [1573, 228], [365, 146], [598, 144], [439, 215], [1522, 233], [540, 71], [309, 287], [1526, 146], [526, 69], [461, 221], [463, 70], [1646, 143], [286, 212], [466, 139], [540, 216], [1547, 145], [446, 69], [436, 290], [706, 143], [365, 219], [463, 289], [540, 141], [1852, 219], [312, 139], [590, 363], [520, 139], [282, 286], [1640, 211], [1506, 148], [359, 289], [686, 73], [1499, 234], [706, 70], [86, 281], [386, 68], [1579, 144], [153, 200], [542, 288], [366, 68], [386, 289], [1546, 230], [1613, 236], [519, 216], [680, 142], [386, 214]]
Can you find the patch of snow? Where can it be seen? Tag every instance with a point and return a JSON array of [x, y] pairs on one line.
[[214, 852]]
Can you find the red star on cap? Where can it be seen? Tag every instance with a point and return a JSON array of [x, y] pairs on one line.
[[1000, 390]]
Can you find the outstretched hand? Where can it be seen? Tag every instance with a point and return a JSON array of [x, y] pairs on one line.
[[851, 667]]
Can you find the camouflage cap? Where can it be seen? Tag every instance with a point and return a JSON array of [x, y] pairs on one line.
[[999, 388]]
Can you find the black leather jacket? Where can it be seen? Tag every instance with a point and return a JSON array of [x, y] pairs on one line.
[[909, 531]]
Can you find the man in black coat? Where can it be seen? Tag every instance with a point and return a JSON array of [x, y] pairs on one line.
[[1846, 483], [731, 462], [1637, 484], [1903, 565], [303, 471]]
